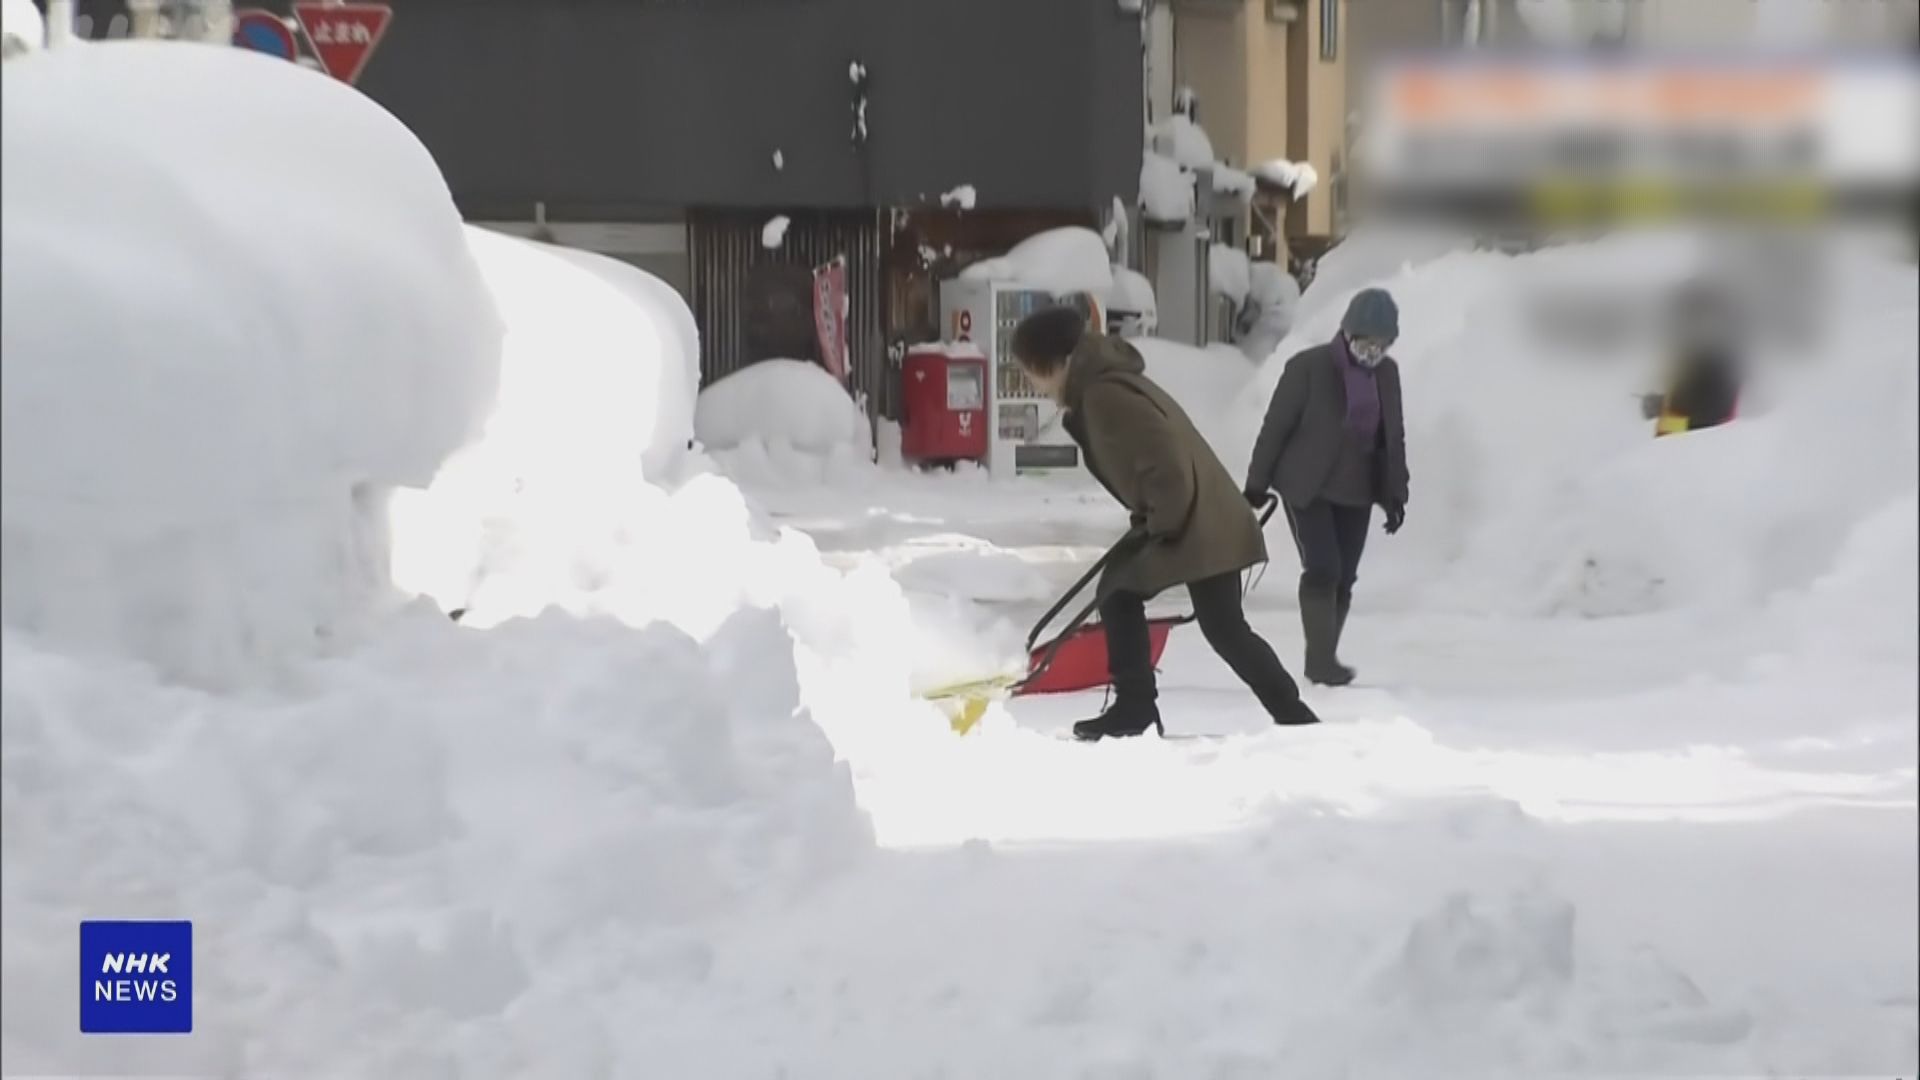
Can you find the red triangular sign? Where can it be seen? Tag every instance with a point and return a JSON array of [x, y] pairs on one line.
[[343, 35]]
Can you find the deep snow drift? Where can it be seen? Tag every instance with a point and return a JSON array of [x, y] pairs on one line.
[[419, 850], [1535, 498], [200, 424], [614, 838]]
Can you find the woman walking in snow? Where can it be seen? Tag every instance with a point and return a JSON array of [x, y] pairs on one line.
[[1334, 446], [1191, 526]]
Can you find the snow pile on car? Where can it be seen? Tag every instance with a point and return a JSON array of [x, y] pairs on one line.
[[207, 396]]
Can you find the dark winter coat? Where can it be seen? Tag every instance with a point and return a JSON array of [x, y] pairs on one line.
[[1145, 451], [1305, 431]]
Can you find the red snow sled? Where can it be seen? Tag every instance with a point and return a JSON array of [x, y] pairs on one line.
[[1077, 658]]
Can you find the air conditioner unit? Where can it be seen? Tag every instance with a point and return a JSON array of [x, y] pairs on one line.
[[1283, 11]]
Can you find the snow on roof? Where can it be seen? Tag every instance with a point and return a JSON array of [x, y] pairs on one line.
[[1233, 181], [779, 160], [1296, 176], [1166, 190], [962, 197], [1066, 260]]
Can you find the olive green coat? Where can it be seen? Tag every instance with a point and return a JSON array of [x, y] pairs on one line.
[[1146, 452]]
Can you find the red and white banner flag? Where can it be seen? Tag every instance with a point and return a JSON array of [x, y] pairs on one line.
[[830, 307]]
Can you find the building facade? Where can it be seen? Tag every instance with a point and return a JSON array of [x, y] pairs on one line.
[[1270, 81], [668, 132]]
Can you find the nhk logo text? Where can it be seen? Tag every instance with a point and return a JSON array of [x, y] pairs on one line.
[[156, 986], [136, 978]]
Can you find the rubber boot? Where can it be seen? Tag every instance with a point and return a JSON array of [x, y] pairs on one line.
[[1342, 603], [1295, 713], [1128, 717], [1319, 620]]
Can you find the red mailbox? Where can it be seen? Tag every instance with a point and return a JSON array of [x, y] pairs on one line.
[[943, 404]]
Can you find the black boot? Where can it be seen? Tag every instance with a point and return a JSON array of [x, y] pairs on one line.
[[1295, 713], [1342, 603], [1129, 716], [1319, 620]]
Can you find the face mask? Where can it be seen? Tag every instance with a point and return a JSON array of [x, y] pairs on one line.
[[1367, 353]]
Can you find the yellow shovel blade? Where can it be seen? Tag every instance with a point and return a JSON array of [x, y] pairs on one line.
[[968, 714], [966, 702]]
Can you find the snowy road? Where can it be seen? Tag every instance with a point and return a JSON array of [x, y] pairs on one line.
[[1613, 845], [1632, 790]]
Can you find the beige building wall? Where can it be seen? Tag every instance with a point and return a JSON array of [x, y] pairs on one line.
[[1317, 110], [1209, 58], [1265, 91]]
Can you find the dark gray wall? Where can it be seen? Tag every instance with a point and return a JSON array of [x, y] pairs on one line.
[[611, 109]]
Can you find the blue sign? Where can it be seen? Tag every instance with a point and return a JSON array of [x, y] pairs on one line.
[[263, 31], [136, 978]]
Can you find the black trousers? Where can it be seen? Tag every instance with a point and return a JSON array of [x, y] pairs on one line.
[[1216, 607], [1331, 539]]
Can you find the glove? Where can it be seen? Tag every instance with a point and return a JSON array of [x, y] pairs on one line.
[[1255, 499], [1396, 517]]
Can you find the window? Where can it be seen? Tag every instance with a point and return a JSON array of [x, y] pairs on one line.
[[1329, 29]]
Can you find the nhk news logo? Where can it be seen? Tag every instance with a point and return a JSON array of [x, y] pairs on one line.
[[136, 978]]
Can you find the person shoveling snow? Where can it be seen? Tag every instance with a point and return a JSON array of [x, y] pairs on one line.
[[1190, 525]]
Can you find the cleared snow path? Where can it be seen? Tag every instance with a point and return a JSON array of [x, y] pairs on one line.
[[1522, 847]]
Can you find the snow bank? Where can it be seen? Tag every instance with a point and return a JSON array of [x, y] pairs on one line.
[[594, 339], [1166, 190], [487, 829], [1538, 488], [1205, 382], [207, 393], [794, 404], [1268, 285], [422, 853], [1366, 256], [1274, 297], [1066, 260], [668, 419], [1230, 272]]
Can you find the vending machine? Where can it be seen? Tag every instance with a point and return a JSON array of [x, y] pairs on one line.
[[1024, 432]]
